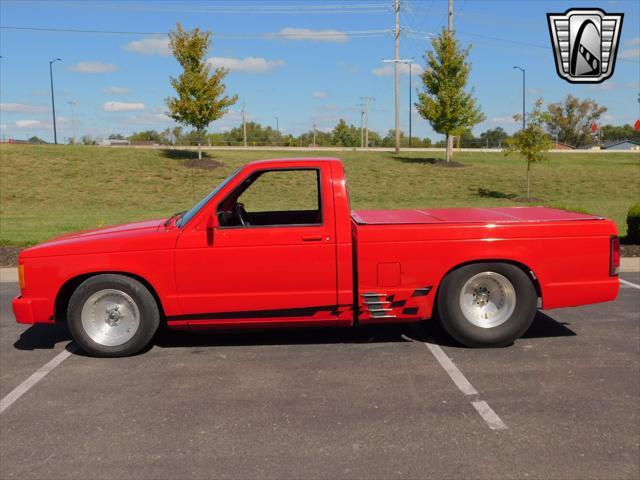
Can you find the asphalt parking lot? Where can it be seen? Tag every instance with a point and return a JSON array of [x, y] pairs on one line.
[[564, 402]]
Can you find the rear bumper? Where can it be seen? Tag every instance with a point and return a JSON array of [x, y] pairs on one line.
[[574, 294], [32, 310]]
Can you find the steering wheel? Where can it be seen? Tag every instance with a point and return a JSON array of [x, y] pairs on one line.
[[241, 214]]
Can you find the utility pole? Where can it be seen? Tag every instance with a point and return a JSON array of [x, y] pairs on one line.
[[244, 126], [397, 72], [410, 64], [450, 30], [53, 103], [314, 134], [72, 104], [524, 124], [366, 101], [277, 124], [361, 105]]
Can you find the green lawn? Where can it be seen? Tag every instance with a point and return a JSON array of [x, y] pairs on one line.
[[48, 190]]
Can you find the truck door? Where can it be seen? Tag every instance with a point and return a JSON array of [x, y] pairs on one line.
[[271, 258]]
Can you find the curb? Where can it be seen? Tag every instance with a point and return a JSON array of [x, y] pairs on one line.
[[627, 265]]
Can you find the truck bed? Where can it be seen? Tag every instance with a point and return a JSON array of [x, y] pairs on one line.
[[467, 215]]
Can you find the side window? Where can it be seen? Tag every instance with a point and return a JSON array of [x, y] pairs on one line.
[[274, 197]]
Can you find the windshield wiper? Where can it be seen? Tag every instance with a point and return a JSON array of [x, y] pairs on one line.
[[177, 214]]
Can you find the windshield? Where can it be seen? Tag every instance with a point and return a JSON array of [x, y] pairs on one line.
[[196, 208]]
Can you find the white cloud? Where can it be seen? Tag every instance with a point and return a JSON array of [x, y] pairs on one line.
[[245, 65], [630, 53], [3, 126], [389, 69], [93, 67], [507, 119], [155, 45], [297, 34], [122, 106], [347, 67], [605, 86], [632, 42], [319, 94], [30, 124], [116, 90], [22, 108]]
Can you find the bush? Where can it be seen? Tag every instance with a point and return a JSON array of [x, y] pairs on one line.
[[633, 224]]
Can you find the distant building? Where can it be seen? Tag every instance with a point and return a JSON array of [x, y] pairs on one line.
[[622, 145], [111, 142], [562, 146]]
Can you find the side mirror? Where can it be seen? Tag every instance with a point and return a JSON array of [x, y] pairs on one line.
[[209, 228]]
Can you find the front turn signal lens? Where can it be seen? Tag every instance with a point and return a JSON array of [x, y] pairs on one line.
[[21, 276]]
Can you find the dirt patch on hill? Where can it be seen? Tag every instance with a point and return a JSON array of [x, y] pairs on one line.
[[630, 250], [436, 162], [203, 164], [9, 256]]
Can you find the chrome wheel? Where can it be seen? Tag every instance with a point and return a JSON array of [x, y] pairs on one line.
[[110, 317], [487, 299]]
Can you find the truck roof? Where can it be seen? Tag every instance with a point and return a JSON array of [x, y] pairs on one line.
[[467, 215], [294, 160]]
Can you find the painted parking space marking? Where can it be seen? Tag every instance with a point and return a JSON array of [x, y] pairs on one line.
[[629, 284], [489, 416], [38, 375], [456, 375]]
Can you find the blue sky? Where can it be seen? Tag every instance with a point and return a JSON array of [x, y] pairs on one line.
[[305, 62]]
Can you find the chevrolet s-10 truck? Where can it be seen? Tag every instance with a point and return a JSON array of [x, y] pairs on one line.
[[249, 256]]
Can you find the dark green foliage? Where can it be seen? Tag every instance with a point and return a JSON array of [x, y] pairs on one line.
[[633, 224]]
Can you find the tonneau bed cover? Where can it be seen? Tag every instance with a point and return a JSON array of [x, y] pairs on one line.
[[467, 215]]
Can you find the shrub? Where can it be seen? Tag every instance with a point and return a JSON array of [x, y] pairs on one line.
[[633, 224]]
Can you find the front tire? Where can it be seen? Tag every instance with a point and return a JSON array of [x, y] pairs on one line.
[[487, 304], [112, 315]]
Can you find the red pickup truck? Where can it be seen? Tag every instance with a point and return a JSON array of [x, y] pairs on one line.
[[244, 257]]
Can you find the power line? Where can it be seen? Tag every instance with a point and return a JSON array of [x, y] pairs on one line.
[[229, 8], [286, 35]]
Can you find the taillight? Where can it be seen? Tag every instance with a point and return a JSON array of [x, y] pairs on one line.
[[614, 256]]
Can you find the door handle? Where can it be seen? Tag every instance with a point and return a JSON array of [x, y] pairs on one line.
[[312, 238]]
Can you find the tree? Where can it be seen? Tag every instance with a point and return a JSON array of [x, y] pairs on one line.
[[444, 103], [493, 137], [345, 135], [622, 132], [200, 94], [533, 142], [570, 120]]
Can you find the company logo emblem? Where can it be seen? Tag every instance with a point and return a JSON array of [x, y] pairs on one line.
[[585, 43]]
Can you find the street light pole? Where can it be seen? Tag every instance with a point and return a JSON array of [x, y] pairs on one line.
[[53, 103], [410, 64], [524, 124]]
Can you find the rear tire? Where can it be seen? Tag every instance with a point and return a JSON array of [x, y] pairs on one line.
[[112, 315], [487, 304]]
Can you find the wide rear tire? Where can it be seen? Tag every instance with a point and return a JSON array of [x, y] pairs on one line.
[[487, 304], [112, 315]]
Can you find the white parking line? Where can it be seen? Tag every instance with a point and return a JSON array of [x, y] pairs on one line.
[[38, 375], [456, 375], [629, 284], [490, 417]]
